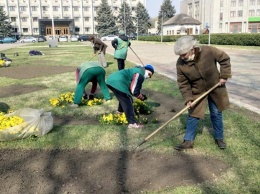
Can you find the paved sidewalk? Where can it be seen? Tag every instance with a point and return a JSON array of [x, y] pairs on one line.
[[243, 88]]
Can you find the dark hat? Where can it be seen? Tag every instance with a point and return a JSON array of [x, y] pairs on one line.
[[149, 67]]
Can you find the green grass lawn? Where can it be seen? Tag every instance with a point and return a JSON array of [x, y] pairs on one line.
[[242, 132]]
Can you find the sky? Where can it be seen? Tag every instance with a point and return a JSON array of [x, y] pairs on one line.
[[154, 6]]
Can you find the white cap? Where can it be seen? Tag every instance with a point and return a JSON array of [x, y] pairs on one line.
[[184, 45]]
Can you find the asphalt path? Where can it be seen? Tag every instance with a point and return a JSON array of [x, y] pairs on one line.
[[243, 87]]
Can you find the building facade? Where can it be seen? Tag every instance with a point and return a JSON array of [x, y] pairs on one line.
[[225, 16], [59, 17]]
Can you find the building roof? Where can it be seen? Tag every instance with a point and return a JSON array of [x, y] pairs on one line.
[[182, 19]]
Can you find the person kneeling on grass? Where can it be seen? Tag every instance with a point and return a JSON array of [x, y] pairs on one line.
[[90, 71], [127, 83]]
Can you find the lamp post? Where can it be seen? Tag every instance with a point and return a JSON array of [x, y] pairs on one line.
[[52, 20], [93, 17], [137, 29], [162, 28]]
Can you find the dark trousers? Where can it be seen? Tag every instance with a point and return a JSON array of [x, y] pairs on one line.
[[125, 104], [121, 63]]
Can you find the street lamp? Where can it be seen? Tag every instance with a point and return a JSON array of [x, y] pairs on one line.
[[137, 29], [52, 20], [93, 17], [162, 28]]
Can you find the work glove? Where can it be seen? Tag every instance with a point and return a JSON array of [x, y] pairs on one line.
[[91, 97], [144, 97]]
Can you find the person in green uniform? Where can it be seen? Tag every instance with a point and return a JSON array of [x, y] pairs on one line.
[[127, 83], [90, 71], [121, 45]]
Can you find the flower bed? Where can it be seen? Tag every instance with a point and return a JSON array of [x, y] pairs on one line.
[[140, 107], [67, 98]]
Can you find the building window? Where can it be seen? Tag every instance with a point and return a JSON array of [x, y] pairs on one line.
[[22, 8], [35, 30], [221, 16], [24, 19], [76, 8], [86, 19], [77, 29], [240, 2], [220, 25], [87, 29], [44, 8], [25, 30], [35, 19], [55, 8], [251, 12], [258, 12], [76, 19], [233, 3], [252, 2], [13, 19], [232, 14], [34, 8], [254, 27], [235, 27], [65, 8], [86, 8], [221, 3], [12, 8], [239, 13], [66, 18]]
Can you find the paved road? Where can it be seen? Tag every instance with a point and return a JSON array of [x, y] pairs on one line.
[[243, 88]]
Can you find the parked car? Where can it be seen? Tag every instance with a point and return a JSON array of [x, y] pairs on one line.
[[42, 39], [132, 37], [108, 37], [74, 38], [28, 39], [7, 40], [63, 39], [83, 38]]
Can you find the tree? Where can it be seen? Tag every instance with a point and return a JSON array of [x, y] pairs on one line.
[[105, 19], [166, 12], [125, 19], [142, 19], [6, 28]]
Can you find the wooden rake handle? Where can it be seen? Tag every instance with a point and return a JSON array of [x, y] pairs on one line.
[[179, 113], [136, 56]]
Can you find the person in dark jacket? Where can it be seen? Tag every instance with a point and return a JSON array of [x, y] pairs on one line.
[[127, 83], [99, 47], [90, 71], [197, 72], [121, 45]]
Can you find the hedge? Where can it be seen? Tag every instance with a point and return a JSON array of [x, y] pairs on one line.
[[218, 39]]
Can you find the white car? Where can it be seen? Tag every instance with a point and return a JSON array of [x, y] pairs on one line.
[[74, 38], [63, 39], [109, 37], [28, 39]]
